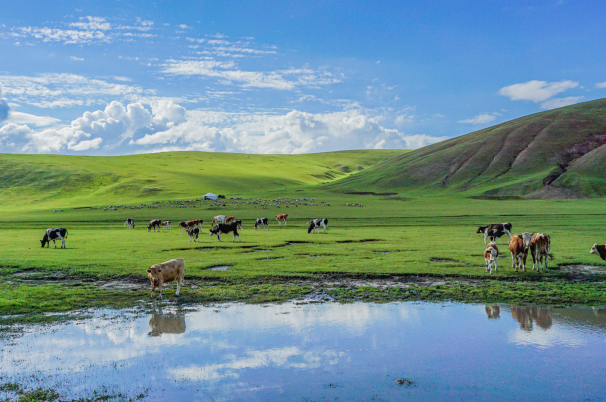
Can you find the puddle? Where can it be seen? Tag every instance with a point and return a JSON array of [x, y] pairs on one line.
[[257, 251], [357, 241], [317, 351], [382, 252], [433, 259], [579, 269], [270, 258], [219, 268]]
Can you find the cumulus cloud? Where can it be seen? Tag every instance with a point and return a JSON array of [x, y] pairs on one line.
[[4, 107], [536, 91], [483, 118], [561, 102]]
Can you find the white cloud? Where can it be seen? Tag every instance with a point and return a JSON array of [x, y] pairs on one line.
[[483, 118], [536, 91], [76, 58], [91, 24], [561, 102], [601, 84], [4, 107], [30, 119]]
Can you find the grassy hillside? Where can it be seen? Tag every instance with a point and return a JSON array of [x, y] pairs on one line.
[[555, 154], [55, 181]]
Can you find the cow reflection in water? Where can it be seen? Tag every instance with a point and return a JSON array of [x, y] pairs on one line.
[[169, 323], [493, 312], [541, 316]]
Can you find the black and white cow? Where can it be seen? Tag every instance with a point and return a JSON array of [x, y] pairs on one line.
[[225, 228], [239, 224], [495, 231], [154, 224], [316, 224], [54, 234], [261, 222], [130, 223], [193, 233]]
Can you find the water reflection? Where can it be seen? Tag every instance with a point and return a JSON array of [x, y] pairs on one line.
[[526, 316], [319, 352], [493, 312], [169, 323]]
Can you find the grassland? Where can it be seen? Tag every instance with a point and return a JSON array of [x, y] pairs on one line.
[[396, 247]]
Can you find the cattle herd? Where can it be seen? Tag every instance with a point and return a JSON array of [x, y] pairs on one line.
[[538, 244]]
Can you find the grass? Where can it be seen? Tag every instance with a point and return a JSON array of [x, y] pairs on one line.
[[426, 242]]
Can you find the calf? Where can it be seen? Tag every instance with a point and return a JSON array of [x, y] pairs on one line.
[[168, 271], [218, 219], [519, 251], [230, 219], [281, 218], [154, 224], [540, 246], [599, 249], [225, 228], [193, 233], [490, 256], [316, 224], [261, 222], [54, 234], [495, 231], [130, 223], [190, 224], [166, 225]]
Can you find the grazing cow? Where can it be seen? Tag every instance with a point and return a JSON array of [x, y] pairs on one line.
[[54, 234], [130, 223], [166, 225], [519, 251], [154, 224], [230, 219], [193, 233], [316, 224], [540, 246], [165, 272], [190, 224], [281, 218], [490, 256], [599, 249], [225, 228], [261, 222], [218, 219], [495, 231]]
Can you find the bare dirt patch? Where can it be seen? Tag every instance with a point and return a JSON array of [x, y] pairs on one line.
[[435, 259], [581, 269]]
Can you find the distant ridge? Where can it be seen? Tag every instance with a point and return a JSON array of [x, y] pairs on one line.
[[559, 153]]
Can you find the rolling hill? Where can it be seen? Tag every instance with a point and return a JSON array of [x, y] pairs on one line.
[[47, 180], [555, 154]]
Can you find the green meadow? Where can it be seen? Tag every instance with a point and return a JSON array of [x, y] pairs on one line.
[[397, 246]]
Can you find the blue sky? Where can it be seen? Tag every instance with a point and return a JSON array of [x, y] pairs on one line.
[[125, 77]]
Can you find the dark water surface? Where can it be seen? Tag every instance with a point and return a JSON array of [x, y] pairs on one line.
[[321, 352]]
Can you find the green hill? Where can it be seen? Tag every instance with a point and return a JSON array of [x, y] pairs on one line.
[[50, 180], [559, 153]]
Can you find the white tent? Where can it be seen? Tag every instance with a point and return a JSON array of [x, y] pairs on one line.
[[209, 196]]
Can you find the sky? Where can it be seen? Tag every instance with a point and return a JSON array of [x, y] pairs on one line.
[[128, 77]]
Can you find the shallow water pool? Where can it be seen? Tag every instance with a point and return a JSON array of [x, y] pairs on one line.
[[310, 351]]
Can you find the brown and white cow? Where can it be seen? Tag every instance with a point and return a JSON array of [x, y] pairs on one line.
[[218, 219], [281, 218], [491, 253], [155, 223], [186, 225], [495, 231], [230, 219], [172, 270], [519, 252], [540, 247], [166, 225], [599, 249]]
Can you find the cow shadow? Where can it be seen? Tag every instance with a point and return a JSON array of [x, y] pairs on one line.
[[166, 323]]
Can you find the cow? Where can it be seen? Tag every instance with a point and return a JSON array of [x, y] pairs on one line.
[[495, 231], [218, 219], [193, 233], [190, 224], [519, 251], [130, 223], [540, 247], [490, 256], [225, 228], [54, 234], [172, 270], [155, 223], [230, 219], [599, 249], [166, 225], [261, 222], [316, 224], [281, 218]]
